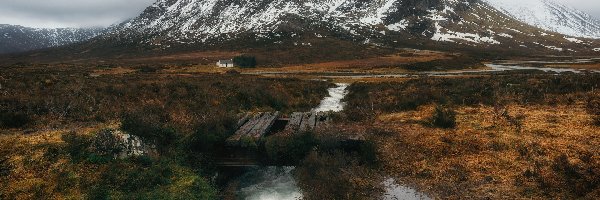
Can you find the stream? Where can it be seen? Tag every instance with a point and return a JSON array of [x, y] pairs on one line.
[[269, 183], [277, 183], [333, 103], [495, 67]]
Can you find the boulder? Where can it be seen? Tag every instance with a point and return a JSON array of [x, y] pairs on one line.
[[111, 142]]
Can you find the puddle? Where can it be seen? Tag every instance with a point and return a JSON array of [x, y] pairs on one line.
[[393, 191], [503, 67], [497, 66]]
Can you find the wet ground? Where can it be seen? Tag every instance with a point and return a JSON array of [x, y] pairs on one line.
[[491, 68], [395, 191]]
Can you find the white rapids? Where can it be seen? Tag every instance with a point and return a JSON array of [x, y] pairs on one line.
[[277, 183], [334, 102], [270, 183]]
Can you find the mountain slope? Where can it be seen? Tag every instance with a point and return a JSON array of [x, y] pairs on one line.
[[550, 15], [383, 23], [19, 39]]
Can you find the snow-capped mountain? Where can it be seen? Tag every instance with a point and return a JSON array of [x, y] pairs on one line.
[[550, 15], [470, 23], [18, 38]]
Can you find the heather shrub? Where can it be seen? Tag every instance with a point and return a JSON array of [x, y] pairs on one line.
[[336, 175], [443, 117], [288, 150], [149, 124], [245, 61], [13, 119], [77, 146], [593, 108], [211, 134]]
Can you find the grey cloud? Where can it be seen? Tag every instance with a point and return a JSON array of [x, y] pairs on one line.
[[69, 13], [591, 7], [87, 13]]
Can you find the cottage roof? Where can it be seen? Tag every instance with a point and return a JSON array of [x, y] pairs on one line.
[[225, 62]]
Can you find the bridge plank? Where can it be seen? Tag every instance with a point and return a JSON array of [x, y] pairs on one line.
[[294, 122], [304, 124], [323, 119], [263, 125], [312, 120], [258, 125], [245, 129], [243, 120]]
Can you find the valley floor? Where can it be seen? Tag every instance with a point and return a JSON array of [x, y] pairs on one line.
[[550, 152], [521, 134]]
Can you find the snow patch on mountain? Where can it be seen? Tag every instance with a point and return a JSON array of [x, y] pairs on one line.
[[506, 35], [549, 47], [15, 38], [168, 23], [403, 24], [451, 36], [550, 15], [575, 40]]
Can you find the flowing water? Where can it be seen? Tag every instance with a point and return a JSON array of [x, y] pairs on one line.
[[497, 66], [334, 102], [277, 183], [269, 183], [510, 67]]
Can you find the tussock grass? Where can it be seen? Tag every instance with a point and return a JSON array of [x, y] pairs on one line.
[[521, 136], [52, 153]]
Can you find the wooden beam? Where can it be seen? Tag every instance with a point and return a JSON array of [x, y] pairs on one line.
[[323, 119], [294, 122], [312, 121], [304, 124], [264, 124], [244, 129], [243, 120]]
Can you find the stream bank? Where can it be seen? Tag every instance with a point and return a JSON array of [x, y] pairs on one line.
[[277, 182]]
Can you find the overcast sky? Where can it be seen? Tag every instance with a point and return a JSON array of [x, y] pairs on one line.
[[94, 13], [69, 13], [592, 7]]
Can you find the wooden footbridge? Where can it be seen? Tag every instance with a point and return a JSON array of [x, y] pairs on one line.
[[253, 127]]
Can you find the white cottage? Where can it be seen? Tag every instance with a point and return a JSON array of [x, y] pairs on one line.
[[225, 63]]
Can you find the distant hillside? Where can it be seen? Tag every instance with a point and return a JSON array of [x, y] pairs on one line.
[[19, 39], [550, 15], [385, 23], [322, 30]]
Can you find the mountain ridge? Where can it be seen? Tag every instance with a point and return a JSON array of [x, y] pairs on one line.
[[551, 15], [470, 23], [15, 38], [232, 25]]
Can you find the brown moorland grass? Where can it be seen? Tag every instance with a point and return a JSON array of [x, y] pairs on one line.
[[59, 94], [202, 57], [369, 63], [36, 159], [488, 156], [517, 137]]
